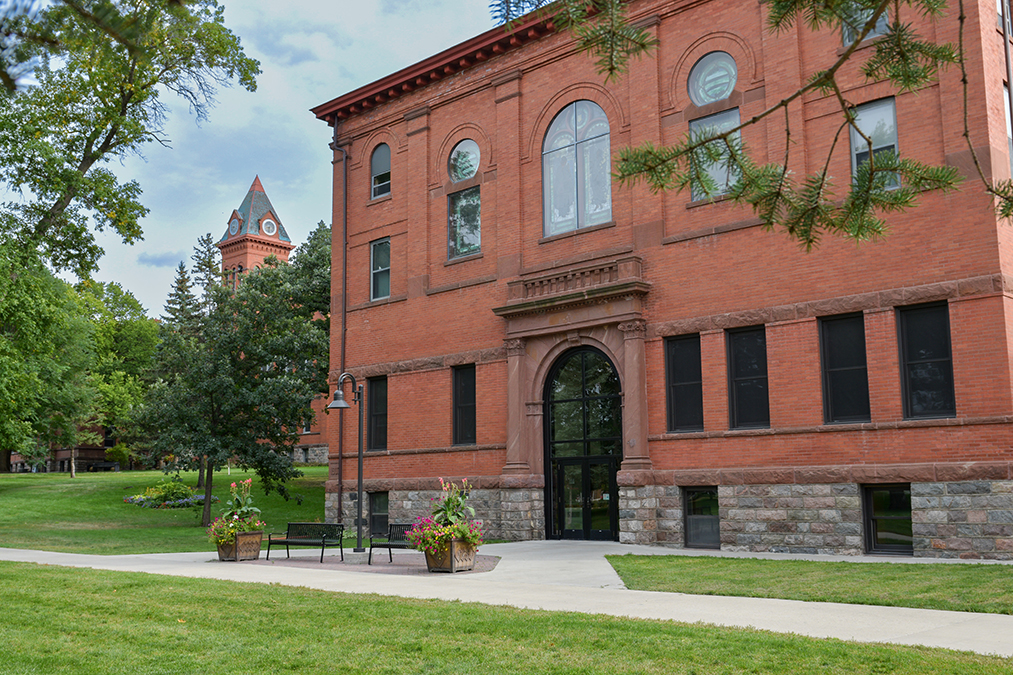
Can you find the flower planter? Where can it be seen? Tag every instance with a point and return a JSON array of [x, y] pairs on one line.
[[455, 557], [245, 547]]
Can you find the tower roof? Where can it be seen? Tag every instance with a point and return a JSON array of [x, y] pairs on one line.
[[252, 210]]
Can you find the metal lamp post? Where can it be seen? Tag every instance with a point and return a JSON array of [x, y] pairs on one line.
[[339, 403]]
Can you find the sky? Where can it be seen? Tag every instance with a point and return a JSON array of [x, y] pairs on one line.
[[310, 51]]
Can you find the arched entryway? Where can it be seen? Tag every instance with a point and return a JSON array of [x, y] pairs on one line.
[[583, 446]]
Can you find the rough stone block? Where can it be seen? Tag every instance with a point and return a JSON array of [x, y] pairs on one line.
[[976, 487], [1000, 516], [927, 489]]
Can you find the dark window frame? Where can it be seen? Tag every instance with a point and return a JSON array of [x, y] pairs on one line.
[[376, 410], [465, 406], [687, 500], [680, 421], [734, 412], [830, 416], [378, 520], [870, 520], [903, 315]]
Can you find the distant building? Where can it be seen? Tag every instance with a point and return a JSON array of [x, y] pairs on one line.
[[253, 233], [606, 362]]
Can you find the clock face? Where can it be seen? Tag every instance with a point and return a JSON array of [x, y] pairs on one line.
[[234, 226], [270, 227]]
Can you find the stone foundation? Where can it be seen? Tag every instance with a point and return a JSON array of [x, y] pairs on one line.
[[813, 519], [953, 519], [310, 454], [512, 514], [969, 519]]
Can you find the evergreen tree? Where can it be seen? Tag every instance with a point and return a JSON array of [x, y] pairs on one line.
[[207, 269], [181, 307]]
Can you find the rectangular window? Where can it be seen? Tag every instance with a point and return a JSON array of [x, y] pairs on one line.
[[998, 11], [378, 510], [926, 363], [464, 222], [685, 383], [888, 519], [722, 173], [747, 378], [845, 375], [855, 20], [702, 520], [464, 405], [377, 410], [379, 261], [878, 121]]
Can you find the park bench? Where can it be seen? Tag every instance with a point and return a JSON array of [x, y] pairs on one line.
[[397, 537], [309, 534]]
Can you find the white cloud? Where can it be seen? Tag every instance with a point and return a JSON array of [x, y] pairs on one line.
[[310, 51]]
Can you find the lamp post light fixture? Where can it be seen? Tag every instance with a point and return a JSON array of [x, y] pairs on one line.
[[339, 403]]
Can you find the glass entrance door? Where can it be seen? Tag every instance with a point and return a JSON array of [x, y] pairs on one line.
[[583, 447]]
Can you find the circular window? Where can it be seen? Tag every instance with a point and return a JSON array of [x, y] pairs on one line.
[[270, 227], [234, 226], [464, 159], [713, 78]]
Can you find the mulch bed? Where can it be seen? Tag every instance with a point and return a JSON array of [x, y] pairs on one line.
[[405, 563]]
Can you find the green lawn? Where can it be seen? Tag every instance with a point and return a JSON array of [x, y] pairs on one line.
[[965, 588], [54, 512], [85, 621]]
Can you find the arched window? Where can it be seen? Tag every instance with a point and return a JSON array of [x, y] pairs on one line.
[[464, 207], [577, 169], [713, 79], [380, 171]]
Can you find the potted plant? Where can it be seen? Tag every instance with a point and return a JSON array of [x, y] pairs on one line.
[[238, 532], [448, 538]]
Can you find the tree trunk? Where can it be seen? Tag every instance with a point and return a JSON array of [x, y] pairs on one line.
[[206, 518], [73, 462], [200, 471], [5, 461]]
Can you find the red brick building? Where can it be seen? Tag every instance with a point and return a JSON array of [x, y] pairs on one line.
[[605, 362]]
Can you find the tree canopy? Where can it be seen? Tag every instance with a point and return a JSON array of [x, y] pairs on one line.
[[98, 97], [239, 371]]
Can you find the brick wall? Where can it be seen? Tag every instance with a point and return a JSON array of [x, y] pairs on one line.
[[706, 267]]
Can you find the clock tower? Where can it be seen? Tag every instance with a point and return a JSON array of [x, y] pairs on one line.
[[253, 233]]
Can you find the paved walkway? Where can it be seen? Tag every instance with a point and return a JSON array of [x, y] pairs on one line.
[[574, 576]]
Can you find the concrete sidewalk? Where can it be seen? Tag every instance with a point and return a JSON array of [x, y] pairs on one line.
[[575, 577]]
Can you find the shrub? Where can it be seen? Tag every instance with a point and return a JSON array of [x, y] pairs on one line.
[[169, 494], [119, 453]]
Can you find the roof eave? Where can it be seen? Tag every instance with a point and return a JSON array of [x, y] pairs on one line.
[[492, 43]]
